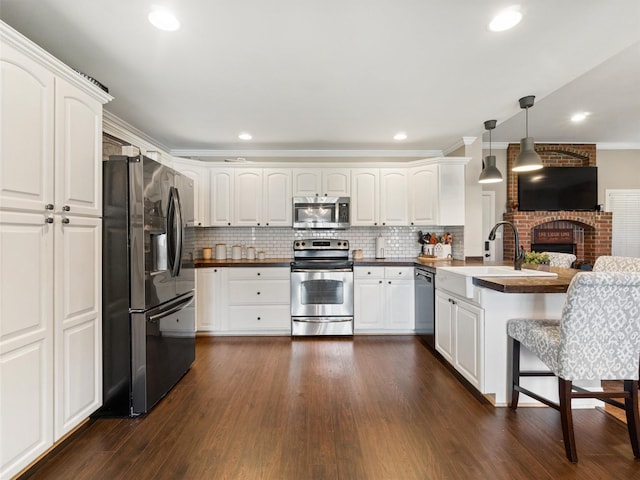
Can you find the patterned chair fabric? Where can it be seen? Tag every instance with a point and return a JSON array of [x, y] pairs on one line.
[[616, 264], [598, 336], [557, 259]]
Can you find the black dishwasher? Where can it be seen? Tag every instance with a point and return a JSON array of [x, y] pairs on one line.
[[425, 305]]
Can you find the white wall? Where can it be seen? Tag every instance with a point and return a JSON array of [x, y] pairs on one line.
[[473, 241], [617, 169]]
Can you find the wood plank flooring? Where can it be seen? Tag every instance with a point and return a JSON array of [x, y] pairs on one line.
[[349, 409]]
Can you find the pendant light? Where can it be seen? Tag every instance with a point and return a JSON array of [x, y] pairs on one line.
[[490, 173], [528, 159]]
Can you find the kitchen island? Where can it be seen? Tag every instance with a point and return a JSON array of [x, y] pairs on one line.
[[471, 331]]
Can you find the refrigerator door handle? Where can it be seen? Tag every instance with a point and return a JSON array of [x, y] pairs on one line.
[[172, 310], [179, 233], [174, 229]]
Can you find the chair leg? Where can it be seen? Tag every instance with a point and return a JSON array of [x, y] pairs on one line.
[[566, 418], [631, 409], [515, 373]]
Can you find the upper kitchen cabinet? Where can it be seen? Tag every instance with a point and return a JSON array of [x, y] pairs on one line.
[[379, 196], [436, 193], [321, 182], [220, 197], [250, 197], [394, 200], [277, 206], [27, 115], [200, 178]]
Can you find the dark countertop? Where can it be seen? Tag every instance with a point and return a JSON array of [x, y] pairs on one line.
[[558, 284], [267, 262]]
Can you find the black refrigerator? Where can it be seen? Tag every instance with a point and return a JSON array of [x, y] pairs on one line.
[[148, 317]]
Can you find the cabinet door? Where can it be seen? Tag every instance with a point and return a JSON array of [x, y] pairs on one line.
[[200, 179], [26, 132], [307, 182], [77, 324], [247, 197], [468, 342], [400, 305], [451, 197], [277, 202], [394, 201], [444, 326], [364, 197], [423, 191], [78, 147], [209, 299], [336, 182], [221, 200], [26, 339], [368, 307]]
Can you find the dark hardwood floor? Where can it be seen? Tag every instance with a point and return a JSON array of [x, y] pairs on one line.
[[351, 409]]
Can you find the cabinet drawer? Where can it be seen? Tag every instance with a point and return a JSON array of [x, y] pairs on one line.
[[398, 272], [258, 273], [259, 292], [368, 272], [268, 317]]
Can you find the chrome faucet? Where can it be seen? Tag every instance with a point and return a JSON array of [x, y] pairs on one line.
[[518, 257]]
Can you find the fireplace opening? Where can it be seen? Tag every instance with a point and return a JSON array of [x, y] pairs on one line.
[[554, 247]]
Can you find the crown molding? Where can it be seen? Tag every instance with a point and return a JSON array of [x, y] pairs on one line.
[[617, 146], [306, 153], [114, 125]]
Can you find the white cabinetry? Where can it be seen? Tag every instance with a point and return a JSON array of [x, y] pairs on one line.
[[50, 250], [460, 336], [379, 196], [250, 197], [437, 194], [384, 300], [243, 300], [200, 177], [321, 182], [221, 197], [210, 286]]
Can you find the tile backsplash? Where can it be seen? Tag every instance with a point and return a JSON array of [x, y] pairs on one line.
[[401, 242]]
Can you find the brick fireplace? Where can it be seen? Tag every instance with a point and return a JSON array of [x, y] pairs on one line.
[[591, 231]]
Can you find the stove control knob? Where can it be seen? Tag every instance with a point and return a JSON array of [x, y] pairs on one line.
[[303, 244], [297, 244], [339, 243]]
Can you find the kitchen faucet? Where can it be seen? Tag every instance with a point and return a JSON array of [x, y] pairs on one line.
[[518, 256]]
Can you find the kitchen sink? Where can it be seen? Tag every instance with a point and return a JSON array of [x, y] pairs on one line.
[[459, 280]]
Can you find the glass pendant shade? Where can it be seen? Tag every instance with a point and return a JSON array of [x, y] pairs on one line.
[[528, 159], [490, 173]]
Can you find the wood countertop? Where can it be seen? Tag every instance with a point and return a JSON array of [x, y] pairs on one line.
[[365, 262], [558, 284]]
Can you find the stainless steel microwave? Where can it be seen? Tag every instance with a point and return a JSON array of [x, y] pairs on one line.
[[321, 212]]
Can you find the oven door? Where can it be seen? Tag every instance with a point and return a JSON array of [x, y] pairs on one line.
[[321, 293]]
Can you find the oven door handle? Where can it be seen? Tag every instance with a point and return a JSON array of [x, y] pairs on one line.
[[320, 270], [322, 319]]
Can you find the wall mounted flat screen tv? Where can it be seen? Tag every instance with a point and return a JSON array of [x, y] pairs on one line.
[[558, 188]]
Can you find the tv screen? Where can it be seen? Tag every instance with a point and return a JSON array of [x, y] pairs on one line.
[[558, 188]]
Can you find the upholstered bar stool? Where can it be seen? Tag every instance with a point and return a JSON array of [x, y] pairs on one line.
[[616, 264], [597, 337], [557, 259]]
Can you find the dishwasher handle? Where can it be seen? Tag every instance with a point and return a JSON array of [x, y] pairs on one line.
[[428, 278]]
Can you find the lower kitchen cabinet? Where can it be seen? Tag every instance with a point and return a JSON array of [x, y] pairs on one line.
[[460, 336], [243, 300], [384, 300]]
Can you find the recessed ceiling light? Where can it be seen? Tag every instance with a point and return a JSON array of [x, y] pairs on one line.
[[578, 117], [164, 20], [245, 136], [506, 19], [400, 136]]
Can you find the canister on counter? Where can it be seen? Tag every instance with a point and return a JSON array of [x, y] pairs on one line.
[[221, 251], [206, 253], [251, 253], [236, 252]]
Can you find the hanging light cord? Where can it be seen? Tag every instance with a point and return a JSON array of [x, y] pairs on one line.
[[526, 112], [489, 142]]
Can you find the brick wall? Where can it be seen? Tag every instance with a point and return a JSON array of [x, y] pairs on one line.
[[594, 228]]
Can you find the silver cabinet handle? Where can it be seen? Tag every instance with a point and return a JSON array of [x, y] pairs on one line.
[[66, 208], [48, 220], [66, 220], [48, 206]]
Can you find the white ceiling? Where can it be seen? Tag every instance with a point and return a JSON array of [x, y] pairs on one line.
[[341, 77]]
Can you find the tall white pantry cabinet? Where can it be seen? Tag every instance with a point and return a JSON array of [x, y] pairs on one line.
[[50, 250]]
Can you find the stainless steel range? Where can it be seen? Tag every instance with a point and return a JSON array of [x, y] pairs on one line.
[[321, 288]]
